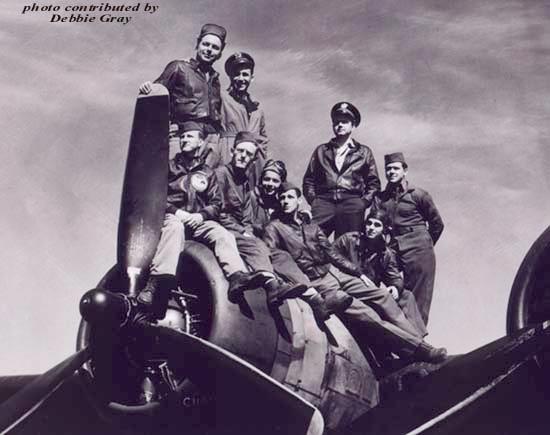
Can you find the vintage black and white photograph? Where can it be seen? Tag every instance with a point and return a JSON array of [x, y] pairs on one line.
[[275, 217]]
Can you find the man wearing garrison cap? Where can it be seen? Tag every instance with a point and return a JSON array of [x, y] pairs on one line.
[[192, 211], [194, 86], [341, 178], [240, 112], [237, 217], [416, 227]]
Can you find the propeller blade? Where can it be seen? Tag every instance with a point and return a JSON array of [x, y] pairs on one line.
[[246, 399], [26, 401], [145, 185]]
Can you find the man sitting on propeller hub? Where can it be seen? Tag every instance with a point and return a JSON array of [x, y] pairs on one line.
[[192, 211]]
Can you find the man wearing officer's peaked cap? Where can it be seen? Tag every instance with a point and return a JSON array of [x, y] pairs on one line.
[[341, 178]]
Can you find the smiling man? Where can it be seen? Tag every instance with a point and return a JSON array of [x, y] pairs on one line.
[[240, 112], [194, 87], [237, 217], [416, 227], [341, 178]]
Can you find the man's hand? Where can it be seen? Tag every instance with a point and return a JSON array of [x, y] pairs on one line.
[[145, 88], [246, 234], [393, 291], [194, 220], [367, 281], [182, 215]]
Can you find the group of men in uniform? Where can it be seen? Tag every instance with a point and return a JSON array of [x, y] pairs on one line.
[[223, 192]]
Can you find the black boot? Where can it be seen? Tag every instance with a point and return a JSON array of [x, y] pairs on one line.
[[338, 302], [428, 353], [156, 293], [278, 291], [239, 282], [318, 306]]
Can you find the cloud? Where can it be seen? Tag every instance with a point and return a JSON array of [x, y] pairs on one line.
[[460, 87]]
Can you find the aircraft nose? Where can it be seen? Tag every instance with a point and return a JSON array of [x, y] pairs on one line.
[[103, 307]]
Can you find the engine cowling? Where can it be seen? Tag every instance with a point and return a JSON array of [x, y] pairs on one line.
[[529, 301], [335, 377]]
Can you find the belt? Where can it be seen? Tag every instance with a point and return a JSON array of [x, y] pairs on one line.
[[399, 231]]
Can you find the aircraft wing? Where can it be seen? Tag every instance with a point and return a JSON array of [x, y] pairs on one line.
[[496, 389]]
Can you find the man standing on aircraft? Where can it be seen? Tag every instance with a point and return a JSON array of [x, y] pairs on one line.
[[372, 256], [372, 308], [192, 211], [416, 227], [194, 88], [241, 113], [341, 178]]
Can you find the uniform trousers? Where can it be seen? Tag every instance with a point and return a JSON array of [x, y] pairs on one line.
[[418, 265], [373, 312], [340, 217], [254, 252], [211, 233]]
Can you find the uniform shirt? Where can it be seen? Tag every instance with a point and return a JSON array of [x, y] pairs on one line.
[[194, 95], [237, 116], [357, 177], [375, 259], [236, 214], [341, 153], [416, 222], [308, 246], [193, 188]]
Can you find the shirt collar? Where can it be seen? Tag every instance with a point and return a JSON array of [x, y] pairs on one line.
[[195, 65]]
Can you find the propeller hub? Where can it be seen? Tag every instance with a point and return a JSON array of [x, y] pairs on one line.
[[104, 308]]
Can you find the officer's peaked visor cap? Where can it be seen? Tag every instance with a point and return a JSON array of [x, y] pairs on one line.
[[345, 110], [238, 61]]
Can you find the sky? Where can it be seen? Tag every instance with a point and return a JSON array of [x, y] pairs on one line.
[[461, 88]]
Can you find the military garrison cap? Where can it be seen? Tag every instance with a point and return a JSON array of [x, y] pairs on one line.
[[287, 185], [245, 136], [395, 158], [347, 110], [214, 29], [238, 60], [190, 126]]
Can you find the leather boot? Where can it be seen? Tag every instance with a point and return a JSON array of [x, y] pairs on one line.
[[278, 291], [318, 306], [428, 353], [239, 282], [338, 302], [156, 293]]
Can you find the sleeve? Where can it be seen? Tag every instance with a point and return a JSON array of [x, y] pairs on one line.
[[431, 215], [262, 135], [248, 214], [271, 236], [335, 257], [214, 200], [391, 274], [308, 184], [167, 77], [371, 178]]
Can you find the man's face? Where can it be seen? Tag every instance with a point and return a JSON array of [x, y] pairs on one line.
[[244, 154], [395, 172], [289, 201], [374, 228], [270, 182], [342, 126], [209, 49], [241, 79], [190, 141]]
